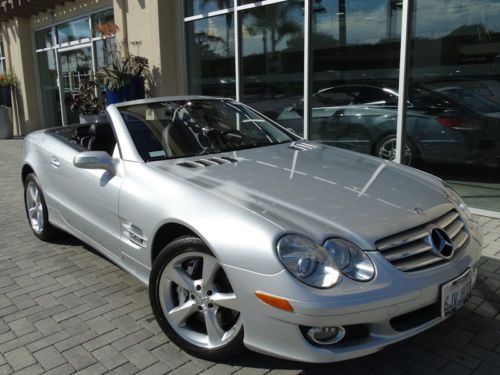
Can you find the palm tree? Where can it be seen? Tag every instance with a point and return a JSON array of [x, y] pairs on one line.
[[281, 24], [222, 4]]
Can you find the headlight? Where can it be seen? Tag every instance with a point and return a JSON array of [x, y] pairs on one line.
[[350, 259], [321, 266], [454, 198], [307, 261]]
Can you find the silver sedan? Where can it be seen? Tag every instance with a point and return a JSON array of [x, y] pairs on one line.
[[249, 237]]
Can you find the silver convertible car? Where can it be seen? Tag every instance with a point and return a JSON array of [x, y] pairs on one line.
[[248, 236]]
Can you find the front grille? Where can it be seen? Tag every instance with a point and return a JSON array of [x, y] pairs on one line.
[[411, 250]]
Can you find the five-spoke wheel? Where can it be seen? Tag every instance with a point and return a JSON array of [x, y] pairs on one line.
[[36, 209], [34, 206], [193, 300], [386, 149]]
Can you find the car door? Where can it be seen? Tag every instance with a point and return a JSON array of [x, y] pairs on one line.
[[87, 200], [359, 124], [328, 109]]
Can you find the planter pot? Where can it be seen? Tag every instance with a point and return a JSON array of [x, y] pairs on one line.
[[114, 96], [131, 91], [5, 96], [136, 88], [93, 119], [6, 128]]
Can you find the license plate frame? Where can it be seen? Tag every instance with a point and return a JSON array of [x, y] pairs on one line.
[[455, 293]]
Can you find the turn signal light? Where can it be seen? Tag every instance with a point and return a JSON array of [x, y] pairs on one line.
[[278, 302]]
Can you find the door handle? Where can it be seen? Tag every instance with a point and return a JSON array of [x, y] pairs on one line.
[[54, 161]]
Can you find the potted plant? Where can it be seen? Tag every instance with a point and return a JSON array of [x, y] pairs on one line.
[[138, 68], [8, 81], [85, 102], [124, 77]]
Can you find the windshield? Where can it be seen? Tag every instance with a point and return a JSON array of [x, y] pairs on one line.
[[472, 100], [182, 128]]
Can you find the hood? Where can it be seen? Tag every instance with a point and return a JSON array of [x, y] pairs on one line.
[[318, 190]]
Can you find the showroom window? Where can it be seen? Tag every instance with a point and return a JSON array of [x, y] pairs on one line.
[[210, 55], [330, 70], [66, 54], [453, 115]]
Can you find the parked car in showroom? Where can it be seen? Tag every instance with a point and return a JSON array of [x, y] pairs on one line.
[[249, 237], [439, 127]]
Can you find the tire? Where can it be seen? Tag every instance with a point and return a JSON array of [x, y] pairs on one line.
[[186, 274], [386, 149], [36, 209]]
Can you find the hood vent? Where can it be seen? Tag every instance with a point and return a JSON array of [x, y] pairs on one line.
[[202, 163], [302, 146]]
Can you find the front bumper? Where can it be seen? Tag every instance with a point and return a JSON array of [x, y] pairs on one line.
[[394, 306]]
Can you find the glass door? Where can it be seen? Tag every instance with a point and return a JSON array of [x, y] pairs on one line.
[[50, 91], [76, 65]]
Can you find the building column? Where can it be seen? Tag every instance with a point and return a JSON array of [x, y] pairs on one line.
[[19, 49], [153, 29]]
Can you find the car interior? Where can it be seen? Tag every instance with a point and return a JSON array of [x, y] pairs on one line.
[[91, 137]]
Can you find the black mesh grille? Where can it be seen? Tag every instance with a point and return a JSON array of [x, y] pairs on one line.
[[202, 163]]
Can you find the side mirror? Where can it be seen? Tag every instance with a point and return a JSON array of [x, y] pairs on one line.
[[94, 160]]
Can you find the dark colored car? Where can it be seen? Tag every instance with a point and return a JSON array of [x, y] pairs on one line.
[[439, 128]]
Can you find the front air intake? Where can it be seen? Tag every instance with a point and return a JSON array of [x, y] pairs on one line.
[[209, 162], [302, 146]]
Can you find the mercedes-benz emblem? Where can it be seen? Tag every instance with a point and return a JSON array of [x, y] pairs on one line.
[[441, 243]]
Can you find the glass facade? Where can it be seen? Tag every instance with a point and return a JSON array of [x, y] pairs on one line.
[[210, 51], [272, 50], [455, 74], [50, 91], [453, 109], [73, 31], [68, 53]]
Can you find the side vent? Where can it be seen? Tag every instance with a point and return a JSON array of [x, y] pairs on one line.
[[202, 163], [134, 234], [302, 146]]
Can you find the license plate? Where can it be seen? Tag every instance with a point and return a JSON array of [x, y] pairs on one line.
[[455, 293]]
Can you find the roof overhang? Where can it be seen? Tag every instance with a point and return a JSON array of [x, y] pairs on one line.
[[10, 9]]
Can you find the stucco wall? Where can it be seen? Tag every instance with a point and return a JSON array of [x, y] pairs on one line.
[[19, 59], [157, 24]]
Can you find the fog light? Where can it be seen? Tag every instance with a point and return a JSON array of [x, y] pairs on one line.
[[326, 335]]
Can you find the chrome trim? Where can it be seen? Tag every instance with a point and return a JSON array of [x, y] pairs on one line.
[[412, 249]]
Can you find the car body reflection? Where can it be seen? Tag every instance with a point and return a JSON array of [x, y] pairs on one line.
[[441, 127]]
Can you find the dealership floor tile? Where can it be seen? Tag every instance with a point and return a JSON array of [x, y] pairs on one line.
[[64, 309]]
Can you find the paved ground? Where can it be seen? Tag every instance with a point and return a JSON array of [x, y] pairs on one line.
[[65, 309]]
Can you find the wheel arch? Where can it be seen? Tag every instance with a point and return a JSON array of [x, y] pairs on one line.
[[167, 233], [25, 171], [387, 133]]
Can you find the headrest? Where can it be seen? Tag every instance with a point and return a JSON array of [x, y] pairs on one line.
[[101, 130]]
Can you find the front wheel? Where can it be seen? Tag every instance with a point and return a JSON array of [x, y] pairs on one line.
[[386, 149], [193, 301]]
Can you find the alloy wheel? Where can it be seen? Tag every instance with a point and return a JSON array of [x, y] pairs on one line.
[[198, 301], [387, 150], [34, 206]]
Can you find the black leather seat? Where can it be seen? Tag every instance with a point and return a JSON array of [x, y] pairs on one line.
[[102, 138]]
